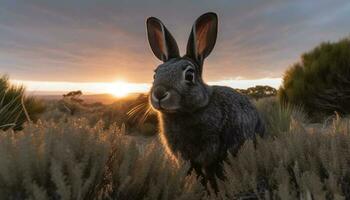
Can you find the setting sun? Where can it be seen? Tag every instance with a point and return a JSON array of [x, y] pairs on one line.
[[119, 89]]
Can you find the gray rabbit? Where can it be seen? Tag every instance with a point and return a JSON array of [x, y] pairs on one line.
[[198, 122]]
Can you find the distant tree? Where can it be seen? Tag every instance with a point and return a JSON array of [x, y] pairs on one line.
[[71, 102], [321, 80], [259, 91], [74, 96]]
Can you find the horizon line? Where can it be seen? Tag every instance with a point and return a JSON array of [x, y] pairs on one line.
[[60, 87]]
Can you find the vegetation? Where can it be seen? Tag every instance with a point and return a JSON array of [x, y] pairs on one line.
[[74, 95], [259, 91], [133, 113], [294, 165], [71, 158], [94, 151], [321, 81], [278, 117], [72, 103], [15, 107]]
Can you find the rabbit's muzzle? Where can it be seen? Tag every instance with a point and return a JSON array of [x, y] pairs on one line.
[[164, 100], [160, 93]]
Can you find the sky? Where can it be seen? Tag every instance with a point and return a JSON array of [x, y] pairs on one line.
[[82, 42]]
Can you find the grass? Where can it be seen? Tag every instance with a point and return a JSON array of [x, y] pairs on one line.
[[278, 118], [71, 160], [297, 165], [133, 113], [15, 107], [69, 157]]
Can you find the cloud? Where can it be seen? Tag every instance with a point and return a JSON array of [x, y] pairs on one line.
[[102, 41]]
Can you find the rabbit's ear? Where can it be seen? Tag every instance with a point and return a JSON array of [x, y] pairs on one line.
[[161, 41], [203, 37]]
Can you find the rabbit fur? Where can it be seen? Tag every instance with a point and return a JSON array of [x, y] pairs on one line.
[[198, 122]]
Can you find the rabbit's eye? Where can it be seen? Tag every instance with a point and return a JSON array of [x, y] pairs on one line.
[[189, 76]]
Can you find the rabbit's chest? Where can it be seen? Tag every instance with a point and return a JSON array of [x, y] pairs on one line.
[[192, 138]]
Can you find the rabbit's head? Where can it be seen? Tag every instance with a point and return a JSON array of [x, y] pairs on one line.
[[178, 85]]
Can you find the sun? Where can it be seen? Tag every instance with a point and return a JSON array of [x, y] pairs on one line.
[[119, 89]]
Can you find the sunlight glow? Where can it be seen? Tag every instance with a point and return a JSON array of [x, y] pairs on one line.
[[119, 89]]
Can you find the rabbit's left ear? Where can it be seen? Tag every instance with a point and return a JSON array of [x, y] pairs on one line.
[[203, 37], [161, 41]]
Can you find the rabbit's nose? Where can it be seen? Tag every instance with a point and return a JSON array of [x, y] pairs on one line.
[[160, 93]]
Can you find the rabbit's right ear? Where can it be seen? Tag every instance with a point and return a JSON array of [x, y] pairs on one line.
[[203, 37], [161, 41]]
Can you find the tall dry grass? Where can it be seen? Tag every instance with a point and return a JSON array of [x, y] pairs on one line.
[[73, 159]]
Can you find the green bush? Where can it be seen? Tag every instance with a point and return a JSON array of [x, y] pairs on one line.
[[15, 107], [321, 81]]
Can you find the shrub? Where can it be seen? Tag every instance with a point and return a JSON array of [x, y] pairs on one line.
[[51, 160], [279, 117], [134, 113], [321, 81], [15, 107], [71, 107], [298, 165], [151, 175], [71, 160]]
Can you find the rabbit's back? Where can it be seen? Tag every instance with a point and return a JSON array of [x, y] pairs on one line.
[[241, 119]]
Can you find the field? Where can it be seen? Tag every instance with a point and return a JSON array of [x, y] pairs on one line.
[[100, 153], [94, 96]]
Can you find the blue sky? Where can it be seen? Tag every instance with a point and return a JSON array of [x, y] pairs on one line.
[[104, 41]]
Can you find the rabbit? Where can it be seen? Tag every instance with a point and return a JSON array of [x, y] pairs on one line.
[[198, 122]]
